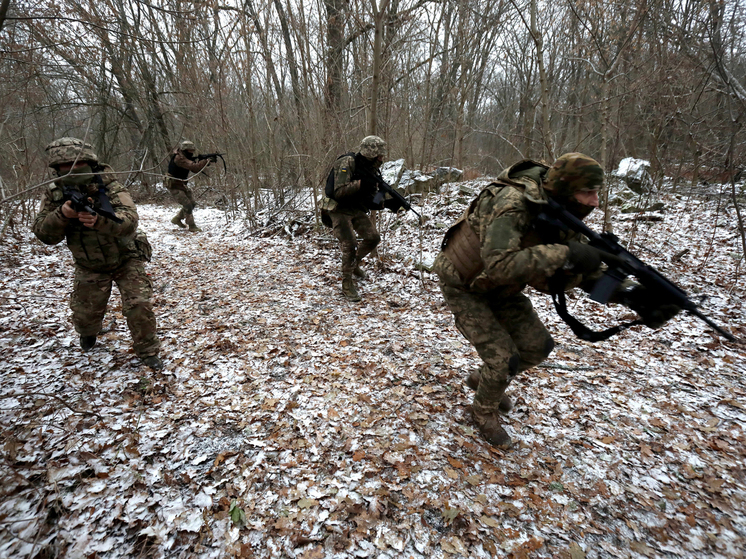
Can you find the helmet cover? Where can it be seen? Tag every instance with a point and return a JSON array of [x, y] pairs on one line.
[[186, 145], [68, 150], [573, 172], [372, 146]]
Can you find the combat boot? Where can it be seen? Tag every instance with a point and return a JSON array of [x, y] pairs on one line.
[[194, 229], [176, 220], [350, 291], [491, 428], [472, 381], [87, 342], [153, 361]]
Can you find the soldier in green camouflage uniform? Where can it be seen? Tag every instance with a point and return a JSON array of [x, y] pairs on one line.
[[182, 161], [347, 212], [494, 251], [103, 251]]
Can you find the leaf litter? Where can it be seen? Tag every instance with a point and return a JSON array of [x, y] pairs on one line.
[[290, 423]]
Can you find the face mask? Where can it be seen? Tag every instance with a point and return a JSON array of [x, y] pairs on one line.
[[581, 211], [78, 176]]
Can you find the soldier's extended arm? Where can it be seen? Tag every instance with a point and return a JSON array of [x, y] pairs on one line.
[[193, 166], [125, 210], [49, 224], [660, 292], [504, 222]]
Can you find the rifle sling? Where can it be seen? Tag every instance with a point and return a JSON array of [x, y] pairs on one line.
[[578, 328]]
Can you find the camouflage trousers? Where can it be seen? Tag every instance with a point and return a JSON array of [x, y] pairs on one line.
[[346, 227], [186, 199], [90, 296], [507, 334]]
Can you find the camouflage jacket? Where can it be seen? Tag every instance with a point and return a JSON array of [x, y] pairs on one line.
[[102, 248], [513, 254], [179, 167], [349, 197]]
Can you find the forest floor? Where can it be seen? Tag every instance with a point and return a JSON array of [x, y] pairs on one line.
[[290, 423]]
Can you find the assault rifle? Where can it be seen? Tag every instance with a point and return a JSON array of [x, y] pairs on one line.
[[80, 203], [621, 264], [212, 157], [397, 200]]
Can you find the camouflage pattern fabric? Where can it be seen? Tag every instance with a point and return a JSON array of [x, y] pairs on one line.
[[185, 198], [372, 147], [91, 292], [179, 170], [351, 194], [513, 252], [507, 334], [105, 247], [346, 226], [490, 310], [67, 150], [108, 252], [573, 172]]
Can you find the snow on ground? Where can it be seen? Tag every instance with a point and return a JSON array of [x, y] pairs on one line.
[[291, 423]]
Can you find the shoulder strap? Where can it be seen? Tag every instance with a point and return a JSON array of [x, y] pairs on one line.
[[556, 286]]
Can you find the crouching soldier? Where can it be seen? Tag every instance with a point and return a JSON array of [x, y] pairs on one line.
[[496, 249], [97, 217]]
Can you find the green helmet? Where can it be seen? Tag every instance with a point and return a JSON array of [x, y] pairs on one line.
[[186, 145], [573, 172], [372, 146], [68, 150]]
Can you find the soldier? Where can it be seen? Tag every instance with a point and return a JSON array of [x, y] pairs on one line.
[[350, 191], [103, 250], [182, 161], [497, 248]]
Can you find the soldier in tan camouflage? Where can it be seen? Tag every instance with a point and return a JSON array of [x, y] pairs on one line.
[[183, 160], [103, 250], [350, 192], [494, 251]]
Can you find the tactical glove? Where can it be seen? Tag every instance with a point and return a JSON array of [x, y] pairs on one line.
[[653, 313], [582, 259]]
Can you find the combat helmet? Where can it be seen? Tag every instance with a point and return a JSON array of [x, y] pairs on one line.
[[186, 145], [372, 146], [573, 172], [67, 150]]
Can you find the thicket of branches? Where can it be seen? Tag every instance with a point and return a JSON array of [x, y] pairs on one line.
[[283, 86]]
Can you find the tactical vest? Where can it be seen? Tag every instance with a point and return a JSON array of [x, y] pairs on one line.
[[91, 249], [178, 172], [462, 247]]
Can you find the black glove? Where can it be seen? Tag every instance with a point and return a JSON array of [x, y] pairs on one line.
[[214, 159], [583, 259], [653, 313]]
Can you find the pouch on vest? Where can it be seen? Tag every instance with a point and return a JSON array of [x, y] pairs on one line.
[[142, 245]]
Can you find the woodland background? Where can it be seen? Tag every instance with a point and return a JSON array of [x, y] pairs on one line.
[[284, 86]]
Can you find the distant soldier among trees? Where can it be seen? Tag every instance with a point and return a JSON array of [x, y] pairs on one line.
[[350, 190], [183, 160], [96, 215], [496, 249]]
